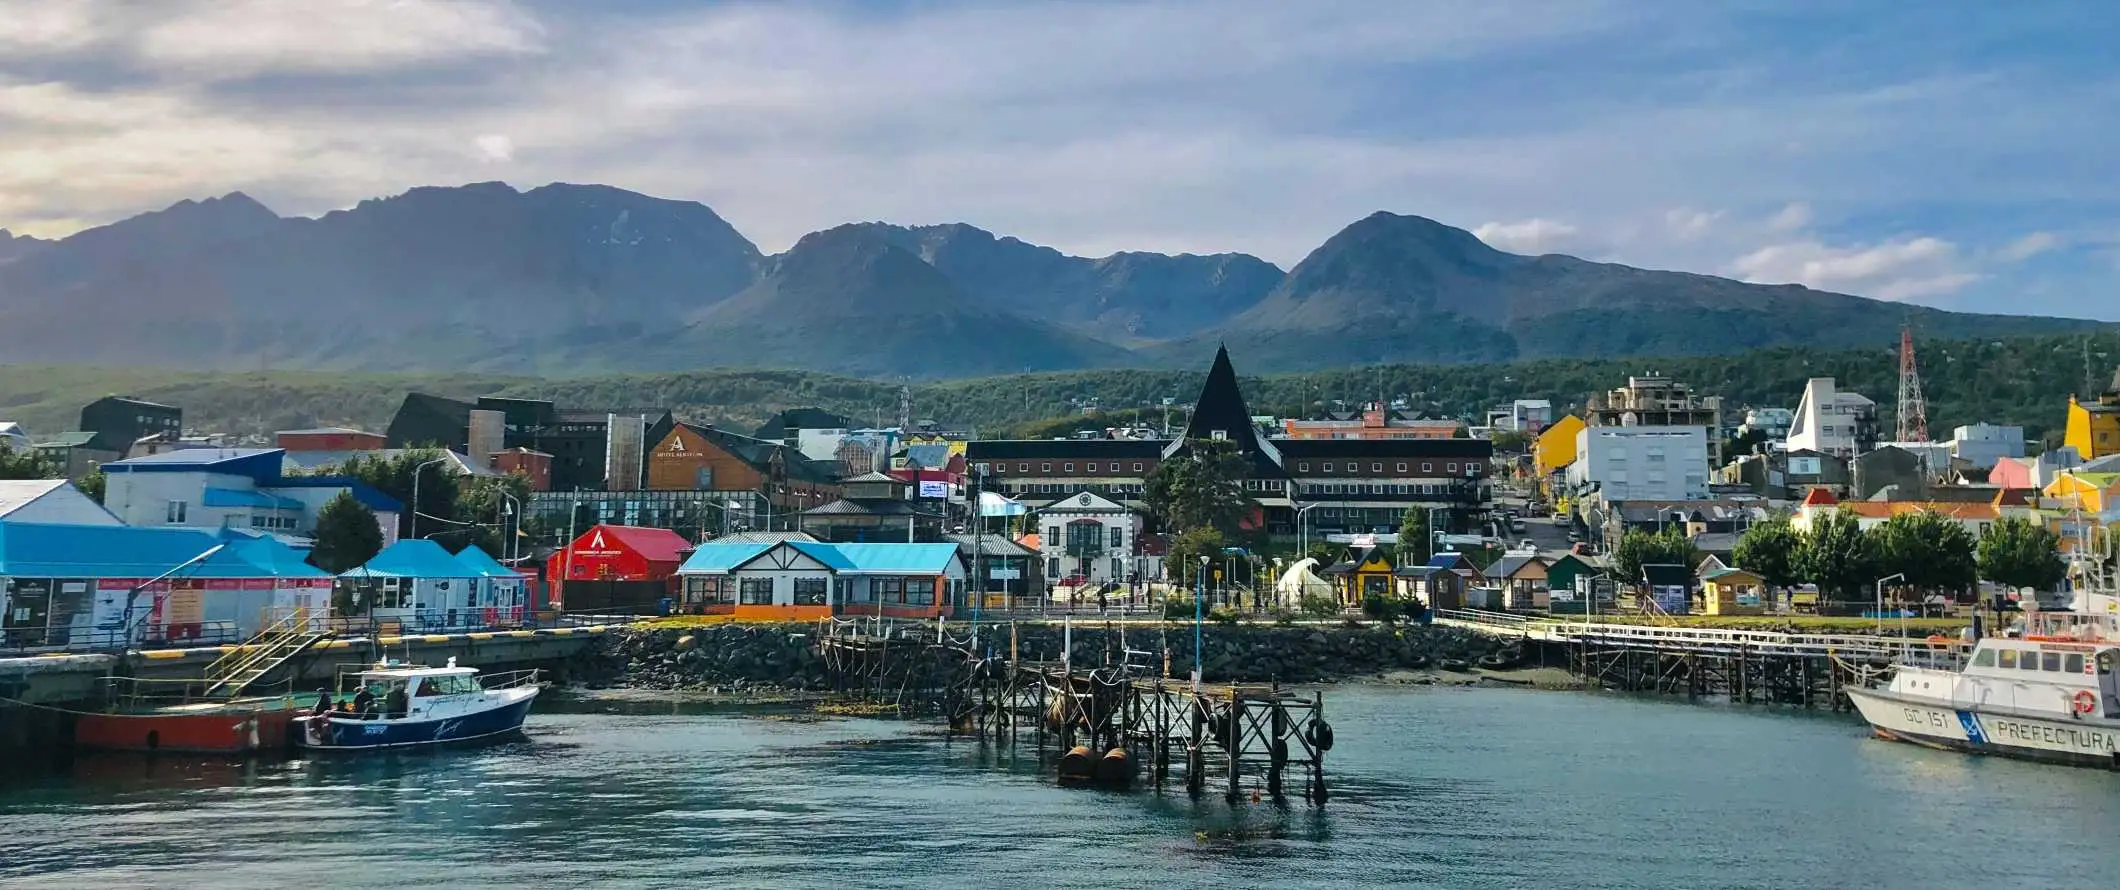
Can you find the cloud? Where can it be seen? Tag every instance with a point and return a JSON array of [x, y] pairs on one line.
[[1688, 224], [495, 147], [1790, 218], [1531, 236], [2029, 246], [1893, 270]]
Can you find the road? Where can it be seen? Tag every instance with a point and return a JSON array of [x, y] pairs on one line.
[[1541, 531]]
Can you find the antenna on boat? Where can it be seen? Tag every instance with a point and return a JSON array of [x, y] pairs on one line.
[[452, 661]]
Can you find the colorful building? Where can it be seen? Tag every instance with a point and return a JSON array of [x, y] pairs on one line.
[[112, 585], [1364, 571], [2094, 427], [1728, 591], [616, 568], [416, 583], [808, 580]]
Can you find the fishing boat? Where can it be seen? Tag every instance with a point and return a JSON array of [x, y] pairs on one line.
[[237, 727], [2044, 691], [406, 706]]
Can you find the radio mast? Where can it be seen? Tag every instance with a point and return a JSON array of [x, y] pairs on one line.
[[1913, 408]]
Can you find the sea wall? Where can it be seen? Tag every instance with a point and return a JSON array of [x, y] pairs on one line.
[[739, 657]]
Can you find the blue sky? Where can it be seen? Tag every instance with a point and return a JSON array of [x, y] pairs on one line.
[[1950, 153]]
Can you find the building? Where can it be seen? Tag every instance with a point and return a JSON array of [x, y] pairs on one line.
[[2033, 472], [2093, 427], [1522, 577], [876, 507], [534, 466], [1829, 421], [1772, 423], [1553, 451], [1092, 539], [119, 421], [14, 438], [1975, 514], [813, 431], [616, 568], [1786, 475], [419, 585], [1578, 584], [1627, 463], [75, 453], [585, 447], [1981, 445], [1908, 472], [1362, 572], [770, 483], [110, 586], [2075, 491], [1375, 421], [233, 488], [455, 463], [330, 439], [500, 596], [1657, 400], [804, 581], [50, 502], [1729, 591], [1442, 582], [1008, 568], [1527, 416]]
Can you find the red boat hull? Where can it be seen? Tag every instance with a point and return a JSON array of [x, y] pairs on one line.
[[229, 731]]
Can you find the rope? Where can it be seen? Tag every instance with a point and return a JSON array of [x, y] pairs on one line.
[[52, 708]]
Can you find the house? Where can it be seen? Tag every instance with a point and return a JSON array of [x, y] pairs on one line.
[[334, 438], [1374, 421], [50, 502], [807, 580], [1641, 462], [235, 488], [1577, 584], [875, 507], [13, 437], [771, 482], [1729, 591], [1442, 582], [2033, 472], [417, 583], [2076, 491], [1830, 421], [2093, 427], [1904, 470], [117, 422], [1975, 514], [1364, 571], [1554, 450], [75, 453], [616, 568], [1005, 569], [1653, 400], [1981, 445], [814, 432], [1783, 475], [1665, 587], [1523, 579], [109, 586], [1095, 539], [534, 466], [499, 594]]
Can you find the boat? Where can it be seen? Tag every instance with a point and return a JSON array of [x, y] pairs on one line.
[[240, 726], [414, 706], [2044, 691]]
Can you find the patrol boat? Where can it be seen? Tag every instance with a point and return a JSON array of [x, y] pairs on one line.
[[414, 706], [2047, 692]]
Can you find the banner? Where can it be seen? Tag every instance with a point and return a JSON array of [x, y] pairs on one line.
[[934, 489]]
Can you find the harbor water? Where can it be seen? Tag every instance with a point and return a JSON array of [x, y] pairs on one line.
[[1474, 787]]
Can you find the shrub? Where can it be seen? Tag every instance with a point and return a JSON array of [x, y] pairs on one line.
[[1224, 616], [1317, 606], [1382, 608], [1177, 608]]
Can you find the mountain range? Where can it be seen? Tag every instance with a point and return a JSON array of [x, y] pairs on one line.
[[568, 279]]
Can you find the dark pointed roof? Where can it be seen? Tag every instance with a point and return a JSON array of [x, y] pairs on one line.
[[1221, 409]]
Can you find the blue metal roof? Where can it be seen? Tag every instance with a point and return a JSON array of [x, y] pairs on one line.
[[716, 559], [412, 558], [824, 553], [262, 464], [480, 563], [896, 559], [230, 497], [120, 551]]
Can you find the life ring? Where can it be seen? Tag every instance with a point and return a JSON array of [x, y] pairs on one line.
[[2085, 701], [1938, 641]]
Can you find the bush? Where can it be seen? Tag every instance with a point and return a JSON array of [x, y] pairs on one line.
[[1224, 616], [1177, 608], [1317, 606], [1383, 608], [1283, 616]]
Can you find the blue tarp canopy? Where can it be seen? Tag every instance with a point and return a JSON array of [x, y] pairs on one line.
[[412, 558], [478, 562]]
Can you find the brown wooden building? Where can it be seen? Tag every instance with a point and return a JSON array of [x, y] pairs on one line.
[[702, 458]]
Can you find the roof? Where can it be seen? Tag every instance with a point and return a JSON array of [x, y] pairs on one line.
[[759, 537], [123, 551], [760, 453], [132, 400], [480, 563], [1064, 449], [888, 559], [1331, 449], [1343, 567], [1421, 571], [1962, 512], [229, 460], [933, 457], [68, 439], [714, 558], [326, 431], [778, 426], [989, 545], [412, 558], [233, 497], [871, 477], [652, 544], [864, 507], [311, 461], [1667, 575], [1820, 497], [18, 493], [1725, 572], [1508, 566]]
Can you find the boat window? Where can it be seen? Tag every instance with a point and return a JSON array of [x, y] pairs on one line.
[[2075, 663], [2029, 662], [1984, 658], [2009, 658], [2105, 663], [2050, 661]]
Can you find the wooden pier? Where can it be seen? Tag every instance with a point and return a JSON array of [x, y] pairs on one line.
[[1108, 724]]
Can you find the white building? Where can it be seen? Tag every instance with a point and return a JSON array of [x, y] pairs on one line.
[[1983, 444], [239, 488], [50, 502], [14, 436], [1771, 422], [1089, 535], [1828, 421], [1641, 463]]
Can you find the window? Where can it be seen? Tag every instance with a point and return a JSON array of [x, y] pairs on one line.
[[1328, 466], [1118, 569], [2074, 664], [1023, 466], [706, 591], [2050, 661], [1052, 568], [810, 591], [1376, 468], [918, 591], [1045, 467], [1218, 435], [1118, 537], [1052, 536], [1303, 466], [1984, 658], [889, 590], [1402, 466], [1067, 467], [1138, 467], [2007, 658], [843, 589], [755, 591], [257, 522], [177, 512], [1451, 467], [1427, 467], [2029, 661]]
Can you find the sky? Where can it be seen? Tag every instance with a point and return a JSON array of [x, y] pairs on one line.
[[1956, 154]]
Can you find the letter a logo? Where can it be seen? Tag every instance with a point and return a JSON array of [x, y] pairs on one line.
[[597, 542]]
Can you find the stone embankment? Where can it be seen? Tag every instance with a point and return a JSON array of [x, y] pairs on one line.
[[759, 658]]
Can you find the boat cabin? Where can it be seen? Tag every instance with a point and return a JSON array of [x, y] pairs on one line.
[[428, 692]]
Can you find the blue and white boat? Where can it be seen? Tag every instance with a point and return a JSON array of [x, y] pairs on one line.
[[412, 706]]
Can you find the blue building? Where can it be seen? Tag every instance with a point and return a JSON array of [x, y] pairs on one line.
[[234, 488]]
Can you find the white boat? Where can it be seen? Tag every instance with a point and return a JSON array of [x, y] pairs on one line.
[[414, 706], [2047, 692]]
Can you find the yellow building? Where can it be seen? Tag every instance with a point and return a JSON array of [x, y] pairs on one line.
[[1727, 591], [2087, 492], [2094, 427], [1555, 448]]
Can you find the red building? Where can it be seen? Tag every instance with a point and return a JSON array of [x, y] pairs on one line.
[[616, 568], [536, 465], [331, 439]]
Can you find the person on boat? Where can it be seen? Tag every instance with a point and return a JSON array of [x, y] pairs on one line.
[[323, 703], [364, 703], [396, 703]]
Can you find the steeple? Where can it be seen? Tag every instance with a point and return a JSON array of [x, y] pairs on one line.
[[1220, 413]]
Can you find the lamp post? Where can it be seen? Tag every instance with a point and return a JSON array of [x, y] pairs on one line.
[[511, 508], [416, 473], [1302, 542], [1199, 613], [1899, 576]]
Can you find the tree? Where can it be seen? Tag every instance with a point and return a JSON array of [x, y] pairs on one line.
[[347, 536], [1186, 549], [393, 475], [1839, 558], [2016, 553], [1933, 551], [1639, 548], [25, 464], [1202, 488], [1415, 543], [1772, 550], [94, 484], [484, 503]]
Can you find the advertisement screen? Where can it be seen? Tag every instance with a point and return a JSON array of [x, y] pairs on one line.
[[934, 489]]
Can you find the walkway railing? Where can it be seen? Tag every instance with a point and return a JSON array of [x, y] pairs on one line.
[[1703, 639]]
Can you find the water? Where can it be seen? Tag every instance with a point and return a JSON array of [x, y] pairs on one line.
[[1433, 788]]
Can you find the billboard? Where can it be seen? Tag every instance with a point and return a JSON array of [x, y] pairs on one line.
[[934, 489]]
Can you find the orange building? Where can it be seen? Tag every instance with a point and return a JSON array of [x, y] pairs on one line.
[[1374, 422], [703, 458]]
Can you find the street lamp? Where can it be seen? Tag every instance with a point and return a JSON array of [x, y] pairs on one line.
[[416, 473], [513, 508], [1199, 613], [1303, 543], [1896, 576]]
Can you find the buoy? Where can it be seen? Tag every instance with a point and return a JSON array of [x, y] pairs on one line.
[[1115, 769], [1077, 767], [2085, 701]]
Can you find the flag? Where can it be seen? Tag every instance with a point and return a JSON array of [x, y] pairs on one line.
[[991, 504]]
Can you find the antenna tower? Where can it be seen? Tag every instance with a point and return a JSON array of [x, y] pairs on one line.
[[1913, 408], [905, 407]]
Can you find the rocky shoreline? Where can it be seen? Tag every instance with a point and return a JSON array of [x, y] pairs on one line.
[[772, 660]]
